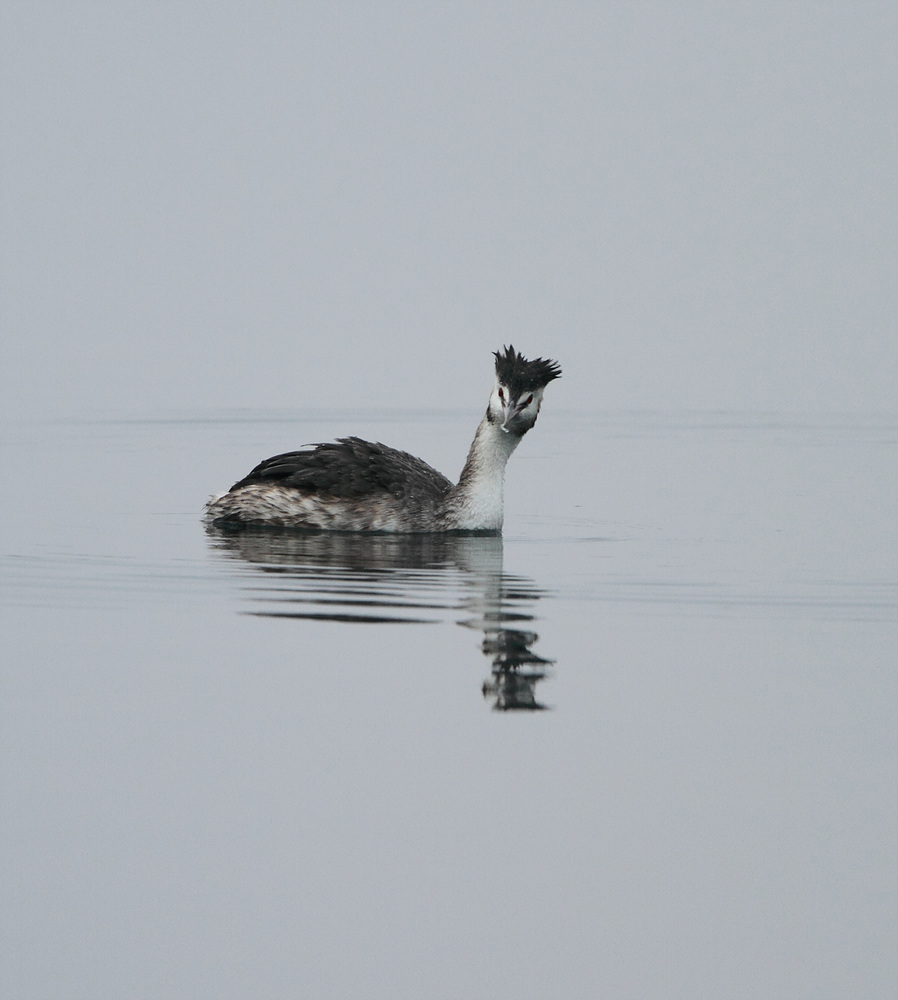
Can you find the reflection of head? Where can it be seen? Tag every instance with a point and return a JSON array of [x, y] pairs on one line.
[[511, 686]]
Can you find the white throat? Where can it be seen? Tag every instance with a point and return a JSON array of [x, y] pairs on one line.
[[478, 499]]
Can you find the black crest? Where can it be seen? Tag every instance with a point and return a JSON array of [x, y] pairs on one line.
[[521, 375]]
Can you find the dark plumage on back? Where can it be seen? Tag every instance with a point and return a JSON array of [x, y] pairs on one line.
[[521, 375], [348, 468], [357, 485]]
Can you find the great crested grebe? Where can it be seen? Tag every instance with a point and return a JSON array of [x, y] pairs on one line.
[[355, 485]]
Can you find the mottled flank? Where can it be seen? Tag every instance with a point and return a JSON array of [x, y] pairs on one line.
[[356, 485], [286, 506], [346, 485]]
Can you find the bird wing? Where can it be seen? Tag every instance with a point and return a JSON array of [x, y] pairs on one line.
[[349, 468]]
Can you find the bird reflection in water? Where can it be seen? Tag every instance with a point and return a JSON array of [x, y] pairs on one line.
[[400, 579], [516, 670]]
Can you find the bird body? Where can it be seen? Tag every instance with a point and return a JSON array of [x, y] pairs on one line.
[[357, 485]]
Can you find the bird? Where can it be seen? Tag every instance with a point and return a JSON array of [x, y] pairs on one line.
[[363, 486]]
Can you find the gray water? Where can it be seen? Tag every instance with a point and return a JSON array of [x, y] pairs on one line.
[[644, 746]]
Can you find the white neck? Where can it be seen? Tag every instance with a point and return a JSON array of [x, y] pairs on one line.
[[477, 501]]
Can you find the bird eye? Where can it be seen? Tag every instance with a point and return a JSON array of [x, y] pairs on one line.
[[501, 394], [528, 400]]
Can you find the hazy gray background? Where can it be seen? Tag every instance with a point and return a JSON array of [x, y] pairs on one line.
[[231, 229], [215, 204]]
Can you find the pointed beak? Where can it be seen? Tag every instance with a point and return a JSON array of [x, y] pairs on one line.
[[509, 412]]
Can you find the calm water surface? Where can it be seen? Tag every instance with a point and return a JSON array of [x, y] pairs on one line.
[[644, 746]]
